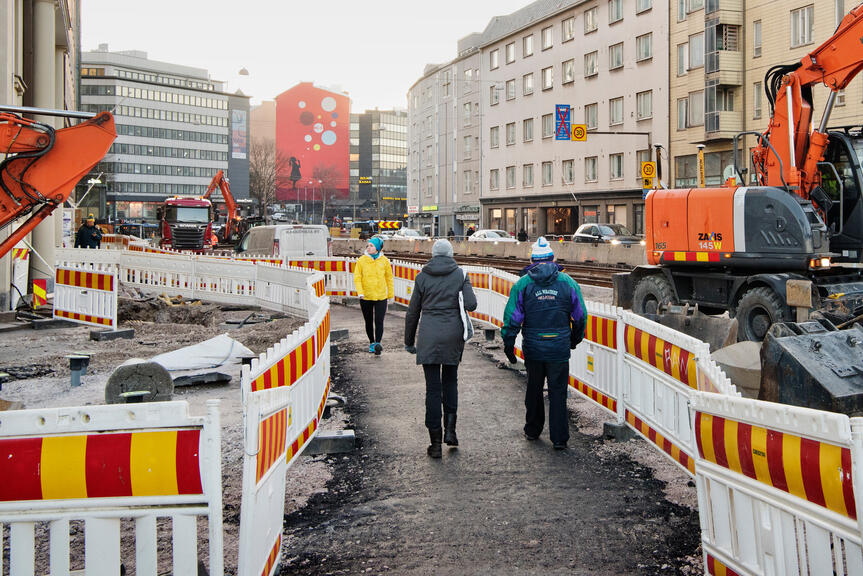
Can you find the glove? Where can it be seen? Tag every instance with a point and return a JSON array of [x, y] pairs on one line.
[[510, 354], [411, 349], [573, 340]]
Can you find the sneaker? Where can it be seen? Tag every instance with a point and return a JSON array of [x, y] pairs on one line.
[[529, 437], [372, 348], [560, 446], [377, 348]]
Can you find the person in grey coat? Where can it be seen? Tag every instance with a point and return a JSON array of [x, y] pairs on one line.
[[434, 307]]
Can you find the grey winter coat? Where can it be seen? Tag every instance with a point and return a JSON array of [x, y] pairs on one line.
[[435, 298]]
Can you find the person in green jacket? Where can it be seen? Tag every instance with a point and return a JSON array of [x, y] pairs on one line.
[[373, 279]]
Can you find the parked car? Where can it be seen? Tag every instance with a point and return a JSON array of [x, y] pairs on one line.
[[280, 217], [491, 236], [409, 234], [606, 233]]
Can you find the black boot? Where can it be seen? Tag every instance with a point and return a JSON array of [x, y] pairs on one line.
[[434, 449], [449, 437]]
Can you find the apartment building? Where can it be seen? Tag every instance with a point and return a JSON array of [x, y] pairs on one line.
[[378, 167], [720, 52]]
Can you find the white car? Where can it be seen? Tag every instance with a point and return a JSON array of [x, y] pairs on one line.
[[409, 234], [491, 236]]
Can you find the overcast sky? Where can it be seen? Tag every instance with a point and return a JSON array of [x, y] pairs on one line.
[[373, 49]]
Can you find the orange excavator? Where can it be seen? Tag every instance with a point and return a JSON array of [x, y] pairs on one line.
[[793, 239], [42, 164], [232, 221]]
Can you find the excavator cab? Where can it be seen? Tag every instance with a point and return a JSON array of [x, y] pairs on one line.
[[842, 181]]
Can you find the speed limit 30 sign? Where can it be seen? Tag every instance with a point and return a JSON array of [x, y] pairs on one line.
[[648, 169]]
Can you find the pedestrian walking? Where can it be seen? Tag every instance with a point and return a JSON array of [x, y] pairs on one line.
[[441, 298], [88, 235], [450, 235], [546, 306], [373, 279]]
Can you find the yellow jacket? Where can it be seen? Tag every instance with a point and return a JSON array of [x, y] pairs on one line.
[[373, 278]]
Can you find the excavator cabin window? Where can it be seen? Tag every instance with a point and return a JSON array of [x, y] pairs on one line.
[[846, 154]]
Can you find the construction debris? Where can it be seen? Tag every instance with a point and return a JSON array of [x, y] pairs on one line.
[[138, 375]]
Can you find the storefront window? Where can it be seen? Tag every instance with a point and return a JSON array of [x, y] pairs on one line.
[[638, 219], [590, 214], [511, 223], [530, 224], [559, 221], [496, 218]]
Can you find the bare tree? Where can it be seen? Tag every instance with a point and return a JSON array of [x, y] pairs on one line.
[[265, 166]]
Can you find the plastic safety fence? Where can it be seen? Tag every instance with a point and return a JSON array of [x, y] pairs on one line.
[[115, 242], [777, 487], [107, 464], [86, 296], [595, 364], [480, 281], [338, 273], [284, 394], [404, 276]]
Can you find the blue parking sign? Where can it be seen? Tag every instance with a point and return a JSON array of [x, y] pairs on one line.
[[561, 127]]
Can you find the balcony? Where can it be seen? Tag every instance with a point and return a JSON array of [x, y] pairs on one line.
[[726, 66], [723, 125]]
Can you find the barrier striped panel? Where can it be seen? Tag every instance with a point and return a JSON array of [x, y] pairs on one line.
[[288, 369], [83, 279], [809, 469], [479, 280], [485, 318], [673, 360], [273, 557], [606, 402], [162, 463], [271, 441], [405, 272], [20, 253], [302, 438], [662, 442], [323, 332], [324, 400], [86, 318], [320, 288], [40, 292], [602, 331], [501, 286], [341, 293], [322, 265], [717, 568], [400, 300], [689, 256]]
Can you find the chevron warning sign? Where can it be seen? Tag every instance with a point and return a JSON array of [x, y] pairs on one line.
[[40, 292]]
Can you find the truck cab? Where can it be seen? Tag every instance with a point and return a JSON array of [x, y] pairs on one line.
[[186, 224]]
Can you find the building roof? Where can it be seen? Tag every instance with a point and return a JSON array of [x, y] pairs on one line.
[[502, 26]]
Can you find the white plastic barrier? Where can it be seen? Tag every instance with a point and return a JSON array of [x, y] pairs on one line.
[[480, 280], [86, 296], [102, 464], [776, 488], [338, 271], [20, 273], [283, 289], [404, 276], [596, 363]]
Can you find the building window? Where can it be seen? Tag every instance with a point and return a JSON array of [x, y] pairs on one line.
[[642, 5], [547, 78], [527, 129], [468, 80], [615, 11], [695, 5], [510, 176], [527, 46], [567, 29], [682, 58], [492, 60], [615, 111], [615, 164], [494, 179], [686, 171], [493, 96], [696, 51], [591, 22], [644, 47], [510, 134], [801, 26], [591, 64], [756, 39], [682, 113], [527, 175], [527, 84], [466, 109], [696, 108], [640, 156], [547, 125], [615, 56], [567, 70], [468, 182], [644, 104], [447, 82], [756, 100], [591, 116], [681, 10], [567, 171], [510, 53], [510, 89], [467, 147], [590, 169], [547, 37], [547, 174], [494, 137]]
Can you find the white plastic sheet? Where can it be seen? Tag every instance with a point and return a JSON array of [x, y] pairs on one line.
[[208, 354]]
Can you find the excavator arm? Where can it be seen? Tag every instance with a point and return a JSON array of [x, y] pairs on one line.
[[42, 165], [221, 181], [789, 90]]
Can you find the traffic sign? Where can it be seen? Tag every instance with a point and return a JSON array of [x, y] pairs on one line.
[[561, 113], [647, 183], [579, 132], [648, 169]]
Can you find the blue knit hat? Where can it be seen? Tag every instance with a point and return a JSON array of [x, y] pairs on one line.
[[541, 251], [378, 243]]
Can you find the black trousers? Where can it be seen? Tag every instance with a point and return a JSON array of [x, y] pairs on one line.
[[557, 374], [441, 388], [373, 313]]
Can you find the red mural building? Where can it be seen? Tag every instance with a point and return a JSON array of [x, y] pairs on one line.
[[312, 134]]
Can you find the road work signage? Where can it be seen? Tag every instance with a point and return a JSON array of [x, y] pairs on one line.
[[85, 296]]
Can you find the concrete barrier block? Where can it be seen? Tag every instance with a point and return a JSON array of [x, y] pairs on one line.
[[617, 432], [337, 442], [106, 335]]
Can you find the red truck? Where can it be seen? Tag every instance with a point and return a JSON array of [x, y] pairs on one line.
[[186, 223]]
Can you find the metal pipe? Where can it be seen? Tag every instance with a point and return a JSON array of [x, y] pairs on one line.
[[828, 109], [46, 112], [792, 152]]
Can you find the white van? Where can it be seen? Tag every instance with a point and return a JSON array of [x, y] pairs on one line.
[[287, 241]]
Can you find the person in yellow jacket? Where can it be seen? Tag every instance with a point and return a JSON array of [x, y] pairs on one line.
[[373, 278]]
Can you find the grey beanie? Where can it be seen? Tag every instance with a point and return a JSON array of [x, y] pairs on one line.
[[442, 247]]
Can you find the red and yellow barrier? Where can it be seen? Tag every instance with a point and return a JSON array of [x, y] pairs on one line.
[[602, 331], [689, 257], [88, 318], [82, 279], [323, 265], [20, 253], [273, 557], [320, 288], [809, 469], [288, 369], [673, 360], [271, 441], [478, 280], [323, 332], [717, 568], [162, 463], [662, 442], [605, 401], [40, 292], [501, 286], [405, 272]]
